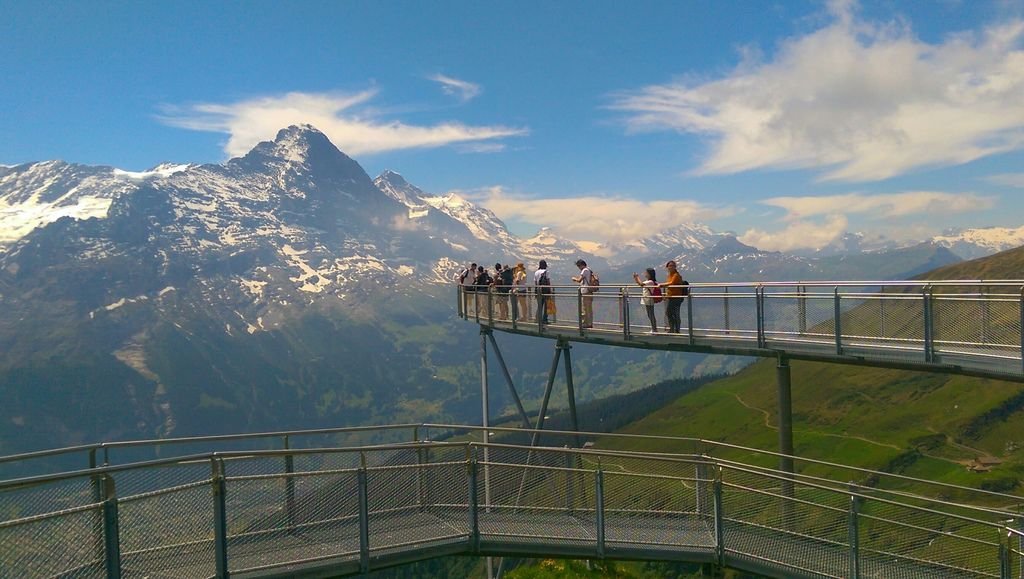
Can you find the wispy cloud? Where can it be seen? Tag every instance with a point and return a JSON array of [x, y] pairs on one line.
[[881, 205], [814, 222], [861, 100], [343, 117], [596, 218], [463, 90], [1015, 180]]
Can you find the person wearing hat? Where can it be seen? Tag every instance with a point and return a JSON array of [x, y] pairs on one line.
[[674, 295]]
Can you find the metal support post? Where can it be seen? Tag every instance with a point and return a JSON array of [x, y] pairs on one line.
[[474, 514], [853, 535], [96, 483], [289, 485], [570, 499], [624, 298], [508, 380], [579, 310], [725, 309], [1021, 307], [461, 300], [599, 510], [785, 396], [571, 392], [111, 533], [220, 517], [421, 489], [801, 293], [364, 516], [490, 306], [719, 519], [689, 316], [929, 323], [759, 306], [485, 390], [837, 322]]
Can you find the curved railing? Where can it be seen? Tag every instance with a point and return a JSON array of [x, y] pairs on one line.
[[969, 327], [290, 511]]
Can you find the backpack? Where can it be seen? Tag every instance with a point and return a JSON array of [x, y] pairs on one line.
[[595, 282], [686, 290], [462, 276], [506, 278], [656, 294], [544, 281]]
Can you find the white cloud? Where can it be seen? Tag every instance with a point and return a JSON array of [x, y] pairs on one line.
[[337, 115], [814, 222], [881, 205], [864, 101], [797, 235], [605, 219], [1007, 179], [463, 90]]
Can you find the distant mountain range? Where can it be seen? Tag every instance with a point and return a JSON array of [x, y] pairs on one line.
[[286, 288]]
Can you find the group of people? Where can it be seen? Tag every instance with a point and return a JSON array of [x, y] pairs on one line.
[[509, 286]]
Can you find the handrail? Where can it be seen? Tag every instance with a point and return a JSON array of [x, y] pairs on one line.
[[447, 518], [915, 325]]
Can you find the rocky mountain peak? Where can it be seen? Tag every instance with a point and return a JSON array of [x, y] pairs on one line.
[[729, 245]]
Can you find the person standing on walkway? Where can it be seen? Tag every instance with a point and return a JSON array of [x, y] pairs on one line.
[[675, 293], [542, 285], [651, 294], [585, 279], [519, 289]]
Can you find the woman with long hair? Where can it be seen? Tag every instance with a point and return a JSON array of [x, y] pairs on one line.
[[519, 289], [647, 298]]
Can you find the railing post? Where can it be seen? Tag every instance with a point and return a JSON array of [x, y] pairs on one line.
[[364, 516], [837, 321], [220, 517], [1005, 564], [801, 293], [725, 308], [1021, 308], [569, 498], [719, 519], [96, 482], [759, 299], [513, 298], [474, 506], [289, 484], [459, 299], [579, 310], [421, 491], [624, 296], [929, 349], [111, 532], [689, 316], [599, 509], [853, 535], [490, 306]]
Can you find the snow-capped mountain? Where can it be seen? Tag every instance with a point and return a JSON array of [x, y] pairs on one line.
[[978, 242]]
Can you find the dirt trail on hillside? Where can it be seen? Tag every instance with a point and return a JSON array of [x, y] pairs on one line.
[[768, 424]]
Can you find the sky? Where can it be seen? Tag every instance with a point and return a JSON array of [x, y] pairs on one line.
[[788, 123]]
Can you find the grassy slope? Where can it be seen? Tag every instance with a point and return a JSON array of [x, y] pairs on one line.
[[919, 424]]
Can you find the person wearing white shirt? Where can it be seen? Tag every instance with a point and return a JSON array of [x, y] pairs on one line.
[[585, 279]]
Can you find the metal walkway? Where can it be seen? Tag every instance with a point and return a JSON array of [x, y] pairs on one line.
[[349, 509], [965, 327]]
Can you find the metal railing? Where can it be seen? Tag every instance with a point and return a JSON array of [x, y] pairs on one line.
[[972, 327], [349, 510]]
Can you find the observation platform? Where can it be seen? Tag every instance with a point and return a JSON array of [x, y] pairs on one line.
[[963, 327], [318, 504]]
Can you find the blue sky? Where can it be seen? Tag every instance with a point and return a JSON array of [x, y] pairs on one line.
[[787, 122]]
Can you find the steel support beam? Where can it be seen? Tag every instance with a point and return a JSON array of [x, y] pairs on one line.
[[508, 380], [547, 393], [571, 392], [785, 402]]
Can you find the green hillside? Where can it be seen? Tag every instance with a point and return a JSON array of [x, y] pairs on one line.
[[932, 426]]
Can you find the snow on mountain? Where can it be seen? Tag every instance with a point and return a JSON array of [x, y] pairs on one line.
[[978, 242], [35, 194]]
